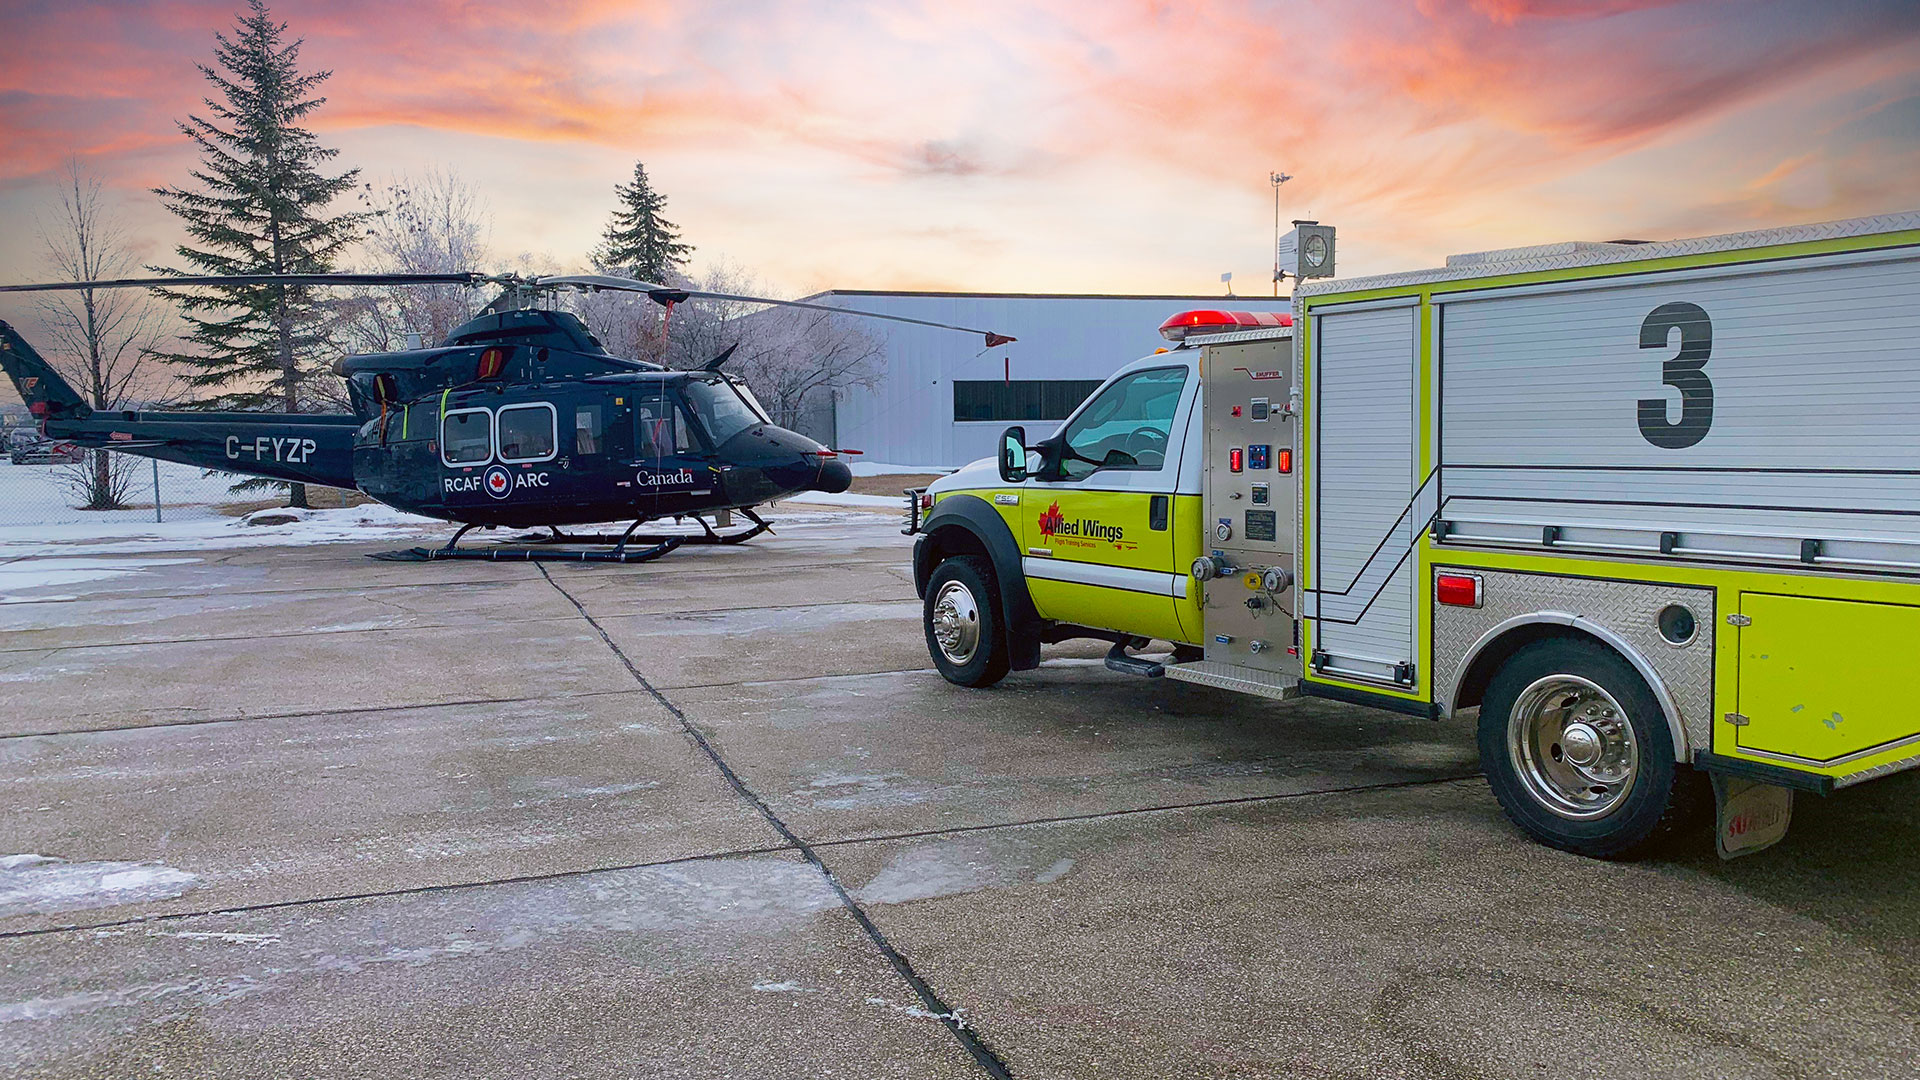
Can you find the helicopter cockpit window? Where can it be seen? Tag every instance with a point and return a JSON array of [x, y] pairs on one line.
[[526, 432], [586, 429], [466, 437], [721, 407]]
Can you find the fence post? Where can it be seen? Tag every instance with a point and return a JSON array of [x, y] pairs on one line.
[[156, 488]]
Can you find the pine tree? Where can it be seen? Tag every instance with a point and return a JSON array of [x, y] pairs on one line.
[[639, 241], [259, 207]]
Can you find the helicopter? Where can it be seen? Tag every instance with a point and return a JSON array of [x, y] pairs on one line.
[[520, 418]]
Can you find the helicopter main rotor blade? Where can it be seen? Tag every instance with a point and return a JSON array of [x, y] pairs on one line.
[[462, 278], [662, 294]]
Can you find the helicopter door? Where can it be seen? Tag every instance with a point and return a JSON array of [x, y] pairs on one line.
[[668, 460]]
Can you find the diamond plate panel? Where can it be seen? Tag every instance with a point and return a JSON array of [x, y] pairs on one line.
[[1628, 610], [1234, 677], [1605, 254]]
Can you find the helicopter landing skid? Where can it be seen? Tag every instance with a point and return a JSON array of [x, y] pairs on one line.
[[658, 545], [555, 536]]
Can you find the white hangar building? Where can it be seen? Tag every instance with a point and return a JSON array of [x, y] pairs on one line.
[[944, 400]]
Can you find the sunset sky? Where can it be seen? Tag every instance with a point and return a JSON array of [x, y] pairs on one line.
[[990, 145]]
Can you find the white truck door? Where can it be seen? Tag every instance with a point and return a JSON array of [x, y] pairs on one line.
[[1364, 523]]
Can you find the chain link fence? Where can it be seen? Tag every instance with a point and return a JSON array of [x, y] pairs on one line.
[[65, 492]]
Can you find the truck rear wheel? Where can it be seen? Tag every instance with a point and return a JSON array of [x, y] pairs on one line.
[[966, 634], [1577, 750]]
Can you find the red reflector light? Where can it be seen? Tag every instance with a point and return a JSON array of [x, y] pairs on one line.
[[926, 501], [1284, 460], [1209, 321], [1235, 459], [1457, 590]]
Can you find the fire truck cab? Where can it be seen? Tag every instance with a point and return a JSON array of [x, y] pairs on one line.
[[1651, 509]]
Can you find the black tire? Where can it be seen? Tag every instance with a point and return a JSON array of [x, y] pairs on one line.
[[967, 581], [1658, 797]]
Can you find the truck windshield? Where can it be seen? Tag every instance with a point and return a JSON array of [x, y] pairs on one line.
[[720, 406]]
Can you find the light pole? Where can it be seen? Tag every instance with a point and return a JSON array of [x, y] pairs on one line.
[[1278, 179]]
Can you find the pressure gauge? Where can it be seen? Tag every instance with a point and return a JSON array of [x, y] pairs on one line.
[[1223, 531]]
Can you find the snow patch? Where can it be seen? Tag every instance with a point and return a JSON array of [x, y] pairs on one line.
[[1055, 872], [787, 987], [916, 1011], [39, 884], [369, 523], [848, 498], [881, 468], [44, 573], [215, 935]]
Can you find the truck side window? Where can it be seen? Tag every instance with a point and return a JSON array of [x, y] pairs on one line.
[[1126, 426]]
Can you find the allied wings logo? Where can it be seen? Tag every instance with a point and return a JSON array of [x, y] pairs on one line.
[[1055, 526], [1051, 520]]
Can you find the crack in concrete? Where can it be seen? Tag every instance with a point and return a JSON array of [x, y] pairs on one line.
[[982, 1054]]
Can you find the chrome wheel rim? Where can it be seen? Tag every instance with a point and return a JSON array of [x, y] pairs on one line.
[[956, 623], [1573, 747]]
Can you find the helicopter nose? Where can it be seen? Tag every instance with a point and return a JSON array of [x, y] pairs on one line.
[[835, 477]]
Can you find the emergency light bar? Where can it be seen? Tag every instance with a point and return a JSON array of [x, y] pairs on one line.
[[1179, 326]]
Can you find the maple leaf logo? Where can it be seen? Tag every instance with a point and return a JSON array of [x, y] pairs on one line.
[[1051, 521]]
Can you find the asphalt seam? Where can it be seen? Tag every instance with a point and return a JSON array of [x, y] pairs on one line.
[[141, 642], [1135, 811], [731, 853], [305, 714], [381, 894], [983, 1055]]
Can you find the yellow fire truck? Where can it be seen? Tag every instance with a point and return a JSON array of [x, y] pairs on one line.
[[1652, 508]]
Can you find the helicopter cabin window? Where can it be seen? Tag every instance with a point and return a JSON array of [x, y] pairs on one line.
[[526, 432], [586, 429], [466, 437]]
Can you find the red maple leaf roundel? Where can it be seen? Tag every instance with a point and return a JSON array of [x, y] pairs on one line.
[[1051, 521]]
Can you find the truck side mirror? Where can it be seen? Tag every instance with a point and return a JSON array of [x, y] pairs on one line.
[[1013, 455]]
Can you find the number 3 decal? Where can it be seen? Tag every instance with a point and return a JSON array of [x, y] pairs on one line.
[[1685, 372]]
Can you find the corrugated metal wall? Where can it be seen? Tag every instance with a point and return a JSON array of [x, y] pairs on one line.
[[908, 418]]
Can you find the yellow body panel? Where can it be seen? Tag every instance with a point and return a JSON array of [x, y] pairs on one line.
[[1105, 528], [1850, 638], [1824, 679]]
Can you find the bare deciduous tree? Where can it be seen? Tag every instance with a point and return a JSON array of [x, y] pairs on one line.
[[793, 358], [433, 223], [100, 340]]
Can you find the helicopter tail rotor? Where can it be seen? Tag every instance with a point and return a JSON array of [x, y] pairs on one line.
[[48, 396]]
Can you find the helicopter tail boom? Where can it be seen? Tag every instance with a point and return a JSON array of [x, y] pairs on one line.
[[304, 448]]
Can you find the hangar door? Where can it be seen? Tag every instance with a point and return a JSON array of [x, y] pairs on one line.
[[1364, 485]]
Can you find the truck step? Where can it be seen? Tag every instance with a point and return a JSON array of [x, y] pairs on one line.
[[1118, 660], [1246, 680]]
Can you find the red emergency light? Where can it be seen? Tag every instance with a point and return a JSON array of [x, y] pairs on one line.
[[1209, 321], [1457, 590]]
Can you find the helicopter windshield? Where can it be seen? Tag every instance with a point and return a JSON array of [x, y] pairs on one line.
[[721, 407]]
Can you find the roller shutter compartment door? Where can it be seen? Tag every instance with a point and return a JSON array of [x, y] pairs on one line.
[[1364, 480]]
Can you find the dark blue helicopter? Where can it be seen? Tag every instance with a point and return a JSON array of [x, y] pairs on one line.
[[520, 418]]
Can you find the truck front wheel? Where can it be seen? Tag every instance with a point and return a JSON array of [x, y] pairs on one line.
[[1577, 750], [965, 631]]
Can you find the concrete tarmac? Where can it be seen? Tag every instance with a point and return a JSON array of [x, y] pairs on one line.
[[293, 812]]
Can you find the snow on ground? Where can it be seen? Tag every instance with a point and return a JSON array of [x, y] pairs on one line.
[[372, 522], [881, 468], [39, 495], [44, 573], [40, 884], [848, 498]]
